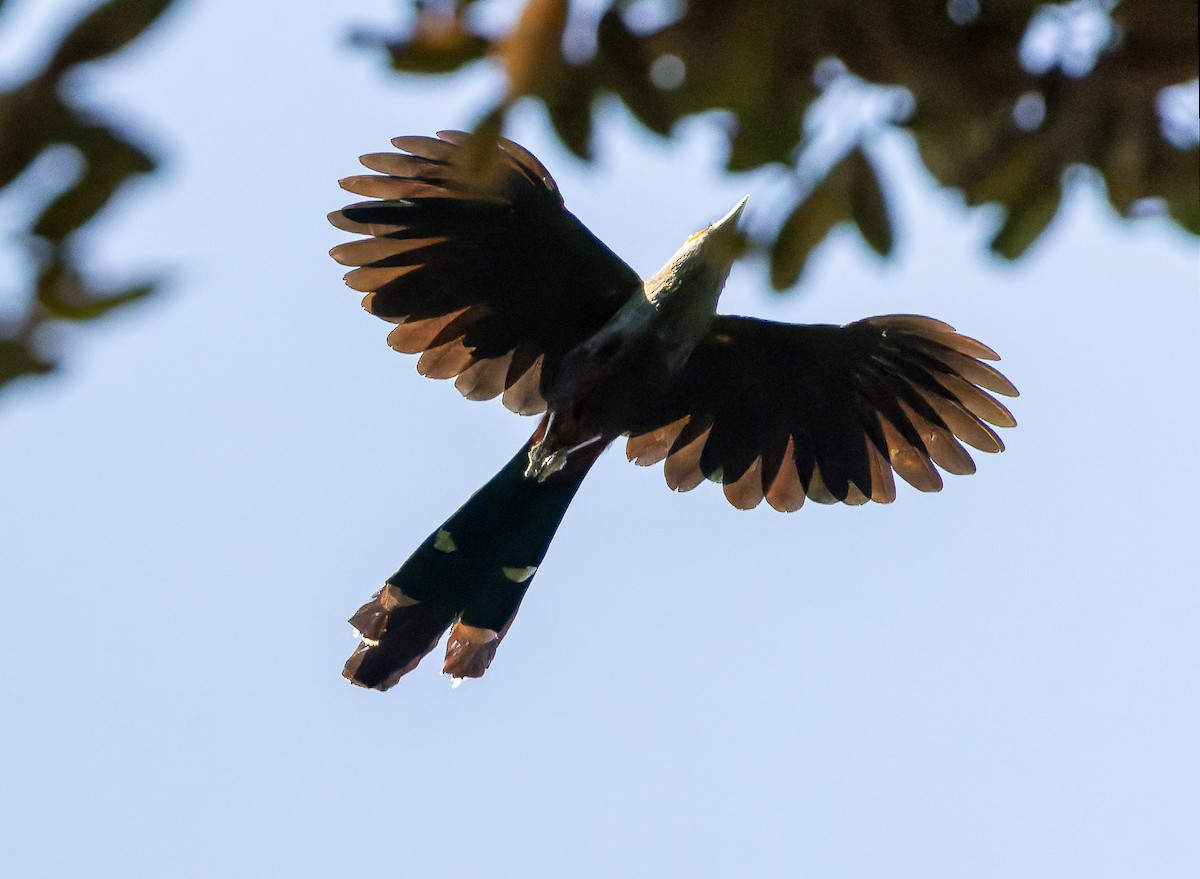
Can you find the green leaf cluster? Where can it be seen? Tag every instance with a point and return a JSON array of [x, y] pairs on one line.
[[958, 62], [36, 117]]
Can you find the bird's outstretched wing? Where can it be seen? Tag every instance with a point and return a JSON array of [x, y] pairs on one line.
[[785, 411], [490, 282]]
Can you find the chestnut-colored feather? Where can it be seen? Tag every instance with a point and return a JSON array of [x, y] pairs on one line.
[[484, 379], [855, 497], [370, 279], [817, 490], [682, 469], [461, 325], [692, 428], [470, 650], [786, 493], [731, 448], [977, 373], [964, 345], [909, 460], [433, 148], [400, 165], [976, 402], [523, 396], [883, 486], [912, 323], [374, 226], [940, 444], [371, 251], [528, 164], [445, 361], [415, 336], [747, 492], [513, 155], [524, 356], [964, 425], [652, 447]]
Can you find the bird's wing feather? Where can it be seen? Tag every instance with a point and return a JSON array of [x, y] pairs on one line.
[[787, 412], [490, 282]]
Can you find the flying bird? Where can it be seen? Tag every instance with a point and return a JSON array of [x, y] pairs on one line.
[[494, 283]]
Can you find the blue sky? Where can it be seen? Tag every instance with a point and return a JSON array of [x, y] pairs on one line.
[[996, 681]]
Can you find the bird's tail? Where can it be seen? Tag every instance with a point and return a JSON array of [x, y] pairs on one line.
[[472, 572]]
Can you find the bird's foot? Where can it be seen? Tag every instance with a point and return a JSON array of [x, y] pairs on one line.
[[541, 459], [543, 463]]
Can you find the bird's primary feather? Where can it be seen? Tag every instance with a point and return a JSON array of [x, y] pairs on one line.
[[826, 411], [497, 275]]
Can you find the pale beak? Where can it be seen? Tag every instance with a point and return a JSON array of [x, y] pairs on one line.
[[730, 219], [720, 242]]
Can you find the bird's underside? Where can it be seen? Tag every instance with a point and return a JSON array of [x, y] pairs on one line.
[[499, 287]]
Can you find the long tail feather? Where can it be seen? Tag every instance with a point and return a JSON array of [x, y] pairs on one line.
[[471, 572]]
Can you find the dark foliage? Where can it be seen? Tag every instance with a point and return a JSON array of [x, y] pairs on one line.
[[36, 117], [789, 78], [1002, 96]]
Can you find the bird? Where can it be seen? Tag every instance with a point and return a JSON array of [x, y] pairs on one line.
[[490, 279]]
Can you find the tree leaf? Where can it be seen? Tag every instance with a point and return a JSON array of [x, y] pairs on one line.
[[1026, 220], [534, 48], [756, 65], [109, 162], [570, 111], [17, 359], [20, 142], [867, 206], [806, 227], [65, 295], [623, 67], [103, 31], [440, 43]]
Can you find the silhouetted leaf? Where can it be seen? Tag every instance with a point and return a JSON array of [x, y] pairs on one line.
[[622, 67], [37, 116], [756, 64], [867, 206], [1183, 203], [440, 43], [19, 145], [1026, 220], [533, 51], [104, 30], [806, 227], [16, 360], [109, 161], [570, 112], [760, 140], [65, 295]]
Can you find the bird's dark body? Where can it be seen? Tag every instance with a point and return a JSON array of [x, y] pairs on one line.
[[496, 284], [590, 396]]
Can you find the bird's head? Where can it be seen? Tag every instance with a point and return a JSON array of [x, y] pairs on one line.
[[697, 272]]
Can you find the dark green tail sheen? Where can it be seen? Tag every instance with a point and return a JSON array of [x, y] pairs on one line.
[[472, 572]]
